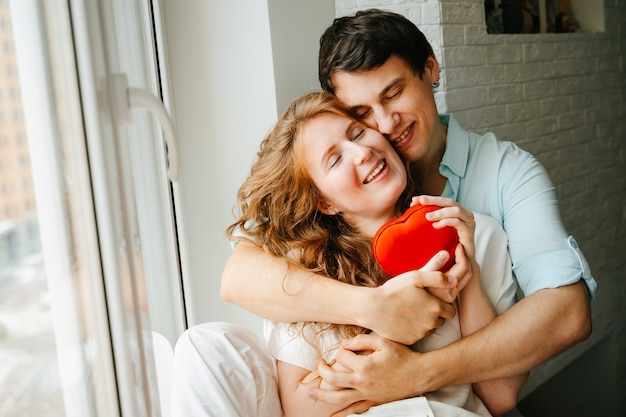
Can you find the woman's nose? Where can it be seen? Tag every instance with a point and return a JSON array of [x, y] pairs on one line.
[[361, 153]]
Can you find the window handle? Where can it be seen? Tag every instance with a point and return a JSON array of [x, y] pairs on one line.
[[124, 99]]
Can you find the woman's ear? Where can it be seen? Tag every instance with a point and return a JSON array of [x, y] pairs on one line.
[[324, 207]]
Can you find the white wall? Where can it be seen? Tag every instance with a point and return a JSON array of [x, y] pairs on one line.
[[230, 75], [296, 27]]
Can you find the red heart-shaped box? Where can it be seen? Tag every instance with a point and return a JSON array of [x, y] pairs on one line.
[[410, 241]]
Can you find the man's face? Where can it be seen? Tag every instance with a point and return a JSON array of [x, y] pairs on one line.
[[395, 101]]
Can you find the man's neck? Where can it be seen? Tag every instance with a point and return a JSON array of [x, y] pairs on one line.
[[426, 171]]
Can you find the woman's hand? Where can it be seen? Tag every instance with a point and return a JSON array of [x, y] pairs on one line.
[[453, 215], [461, 272]]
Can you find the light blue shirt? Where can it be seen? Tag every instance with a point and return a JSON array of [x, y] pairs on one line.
[[501, 180]]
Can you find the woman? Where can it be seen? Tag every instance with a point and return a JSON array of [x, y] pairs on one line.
[[322, 186]]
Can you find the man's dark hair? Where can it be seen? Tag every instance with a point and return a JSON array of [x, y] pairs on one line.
[[366, 40]]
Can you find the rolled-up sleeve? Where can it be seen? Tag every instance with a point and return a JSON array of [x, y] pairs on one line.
[[501, 180], [543, 254]]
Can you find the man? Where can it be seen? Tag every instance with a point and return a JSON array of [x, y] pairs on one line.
[[382, 67]]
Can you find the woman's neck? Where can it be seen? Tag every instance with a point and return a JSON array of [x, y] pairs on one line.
[[370, 225]]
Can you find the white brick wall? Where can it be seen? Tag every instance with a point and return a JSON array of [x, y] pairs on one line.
[[563, 98]]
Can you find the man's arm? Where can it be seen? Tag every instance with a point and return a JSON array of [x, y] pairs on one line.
[[400, 309], [528, 334]]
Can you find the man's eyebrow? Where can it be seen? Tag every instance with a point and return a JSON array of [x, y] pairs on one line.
[[393, 84], [354, 110]]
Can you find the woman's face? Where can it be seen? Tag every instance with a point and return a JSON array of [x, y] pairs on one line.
[[357, 171]]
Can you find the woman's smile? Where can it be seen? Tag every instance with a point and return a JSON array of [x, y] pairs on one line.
[[376, 172]]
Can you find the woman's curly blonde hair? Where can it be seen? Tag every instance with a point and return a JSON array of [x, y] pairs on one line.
[[278, 205]]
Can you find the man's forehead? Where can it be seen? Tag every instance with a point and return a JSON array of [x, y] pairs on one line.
[[360, 88], [359, 91], [356, 89]]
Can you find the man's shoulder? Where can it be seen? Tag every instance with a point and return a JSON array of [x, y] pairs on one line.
[[486, 142], [488, 145], [489, 139]]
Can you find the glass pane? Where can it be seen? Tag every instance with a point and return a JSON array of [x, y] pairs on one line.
[[55, 350], [132, 194], [131, 50], [27, 347], [103, 211]]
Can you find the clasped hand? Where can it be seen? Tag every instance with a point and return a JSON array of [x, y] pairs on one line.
[[376, 368]]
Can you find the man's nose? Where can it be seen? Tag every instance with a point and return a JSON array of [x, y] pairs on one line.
[[386, 120]]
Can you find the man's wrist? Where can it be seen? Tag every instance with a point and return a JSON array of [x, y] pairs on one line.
[[362, 303], [424, 373]]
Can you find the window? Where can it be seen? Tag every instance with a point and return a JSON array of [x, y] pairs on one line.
[[88, 254]]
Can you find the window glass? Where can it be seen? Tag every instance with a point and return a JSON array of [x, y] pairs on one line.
[[55, 352]]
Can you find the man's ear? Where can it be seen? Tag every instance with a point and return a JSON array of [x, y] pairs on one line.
[[432, 65]]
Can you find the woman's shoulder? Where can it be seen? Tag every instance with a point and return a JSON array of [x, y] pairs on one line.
[[490, 241], [491, 244], [488, 226]]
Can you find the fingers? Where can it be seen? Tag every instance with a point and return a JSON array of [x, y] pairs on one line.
[[439, 307], [462, 271], [455, 216], [405, 310], [434, 279], [344, 396], [362, 342], [432, 200], [340, 379], [461, 265], [450, 210], [451, 215], [356, 408], [436, 262], [311, 377], [447, 295], [448, 311]]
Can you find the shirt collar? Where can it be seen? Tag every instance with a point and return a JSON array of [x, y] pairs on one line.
[[455, 157]]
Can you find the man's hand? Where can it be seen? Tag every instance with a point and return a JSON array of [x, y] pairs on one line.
[[403, 310], [371, 373], [314, 380]]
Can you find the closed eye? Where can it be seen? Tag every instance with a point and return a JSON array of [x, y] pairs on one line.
[[360, 113], [394, 95]]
